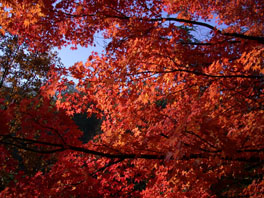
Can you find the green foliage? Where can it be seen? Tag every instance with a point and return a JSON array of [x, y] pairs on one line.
[[89, 126]]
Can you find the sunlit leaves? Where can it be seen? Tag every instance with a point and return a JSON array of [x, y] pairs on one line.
[[182, 114]]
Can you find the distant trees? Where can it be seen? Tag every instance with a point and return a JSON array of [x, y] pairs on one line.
[[23, 71], [90, 126]]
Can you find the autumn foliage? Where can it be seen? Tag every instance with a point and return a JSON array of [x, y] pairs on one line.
[[179, 90]]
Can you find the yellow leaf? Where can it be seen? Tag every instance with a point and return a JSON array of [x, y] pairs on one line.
[[144, 98], [2, 31], [26, 23]]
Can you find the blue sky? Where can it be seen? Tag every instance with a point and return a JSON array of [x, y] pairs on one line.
[[69, 57]]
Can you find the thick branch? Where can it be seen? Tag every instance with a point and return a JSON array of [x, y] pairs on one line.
[[22, 143], [121, 16], [236, 35], [120, 156], [201, 74]]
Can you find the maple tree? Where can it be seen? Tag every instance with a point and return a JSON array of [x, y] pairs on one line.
[[182, 115]]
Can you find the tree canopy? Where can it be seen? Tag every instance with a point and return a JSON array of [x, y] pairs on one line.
[[179, 91]]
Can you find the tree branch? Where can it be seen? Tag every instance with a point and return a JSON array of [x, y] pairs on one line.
[[122, 16], [200, 74], [259, 39], [121, 156]]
